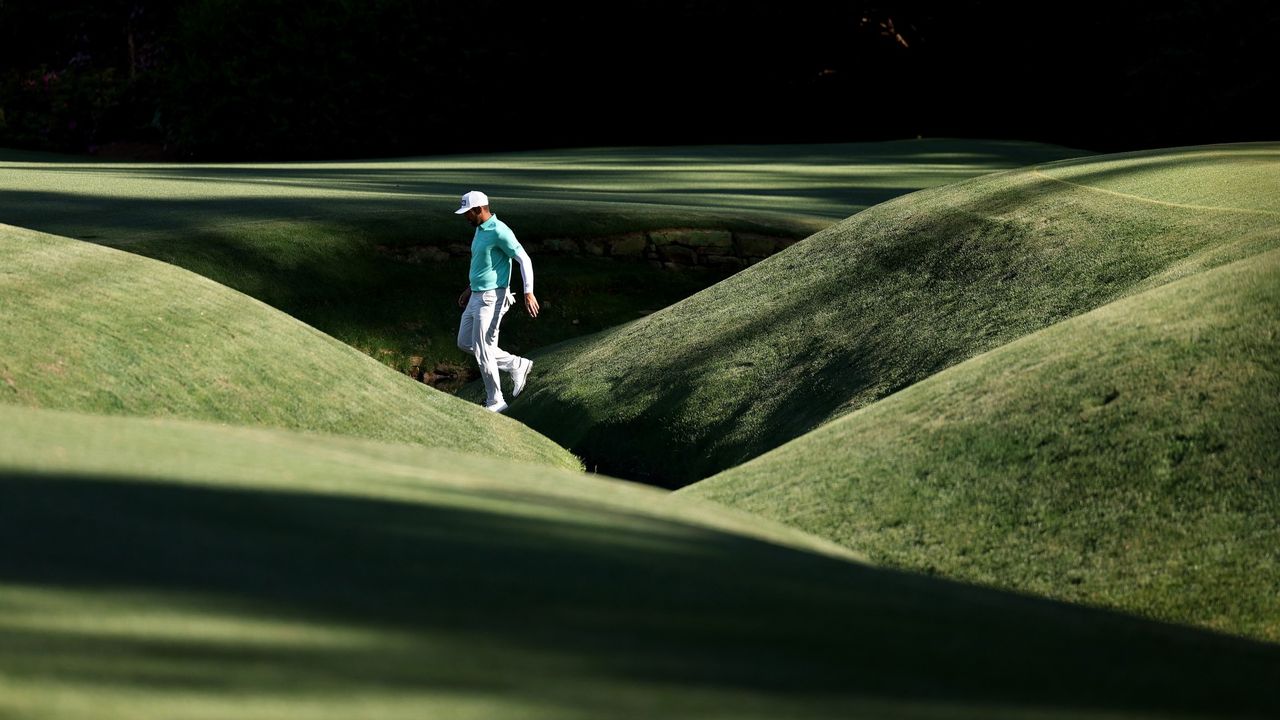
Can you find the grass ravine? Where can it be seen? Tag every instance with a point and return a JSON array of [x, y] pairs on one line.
[[1115, 445], [1055, 381], [891, 296]]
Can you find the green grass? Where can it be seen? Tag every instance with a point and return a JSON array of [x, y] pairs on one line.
[[98, 330], [1126, 458], [303, 237], [163, 567], [167, 568], [890, 297]]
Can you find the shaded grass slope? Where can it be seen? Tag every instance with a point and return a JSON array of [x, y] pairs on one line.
[[1125, 458], [891, 296], [95, 329], [305, 237], [184, 570]]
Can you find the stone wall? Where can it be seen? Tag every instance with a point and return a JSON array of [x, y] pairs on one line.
[[672, 249]]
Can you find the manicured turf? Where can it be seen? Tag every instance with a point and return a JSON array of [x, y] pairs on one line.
[[161, 567], [185, 570], [1125, 458], [303, 237], [95, 329], [891, 296]]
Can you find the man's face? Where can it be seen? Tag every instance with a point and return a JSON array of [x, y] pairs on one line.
[[473, 216]]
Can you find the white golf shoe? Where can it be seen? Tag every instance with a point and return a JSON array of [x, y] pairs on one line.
[[519, 376], [500, 406]]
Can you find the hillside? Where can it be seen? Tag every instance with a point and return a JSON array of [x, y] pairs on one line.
[[99, 330], [890, 297], [1125, 458], [187, 570]]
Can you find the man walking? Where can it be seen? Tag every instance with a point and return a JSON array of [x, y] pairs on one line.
[[489, 296]]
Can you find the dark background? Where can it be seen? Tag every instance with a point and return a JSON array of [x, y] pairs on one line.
[[275, 79]]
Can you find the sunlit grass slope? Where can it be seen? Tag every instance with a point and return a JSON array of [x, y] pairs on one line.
[[158, 568], [891, 296], [304, 237], [1127, 458], [95, 329]]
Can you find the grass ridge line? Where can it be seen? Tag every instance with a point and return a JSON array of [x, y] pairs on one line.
[[1188, 206]]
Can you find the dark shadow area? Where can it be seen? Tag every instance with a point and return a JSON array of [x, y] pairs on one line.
[[305, 80], [564, 597]]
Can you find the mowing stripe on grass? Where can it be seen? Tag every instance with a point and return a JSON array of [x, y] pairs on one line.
[[1038, 173]]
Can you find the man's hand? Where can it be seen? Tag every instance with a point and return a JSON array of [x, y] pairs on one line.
[[464, 298], [531, 304]]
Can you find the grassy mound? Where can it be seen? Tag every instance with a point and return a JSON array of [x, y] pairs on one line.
[[1125, 458], [185, 570], [305, 237], [94, 329], [891, 296]]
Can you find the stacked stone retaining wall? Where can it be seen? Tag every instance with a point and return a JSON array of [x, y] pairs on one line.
[[671, 249]]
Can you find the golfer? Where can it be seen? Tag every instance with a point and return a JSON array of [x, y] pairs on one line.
[[489, 296]]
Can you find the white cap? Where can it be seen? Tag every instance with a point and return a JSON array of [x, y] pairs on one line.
[[473, 199]]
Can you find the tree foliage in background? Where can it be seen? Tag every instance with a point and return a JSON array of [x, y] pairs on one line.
[[74, 73], [329, 78], [289, 78]]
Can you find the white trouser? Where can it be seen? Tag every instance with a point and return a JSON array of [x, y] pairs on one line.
[[478, 335]]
